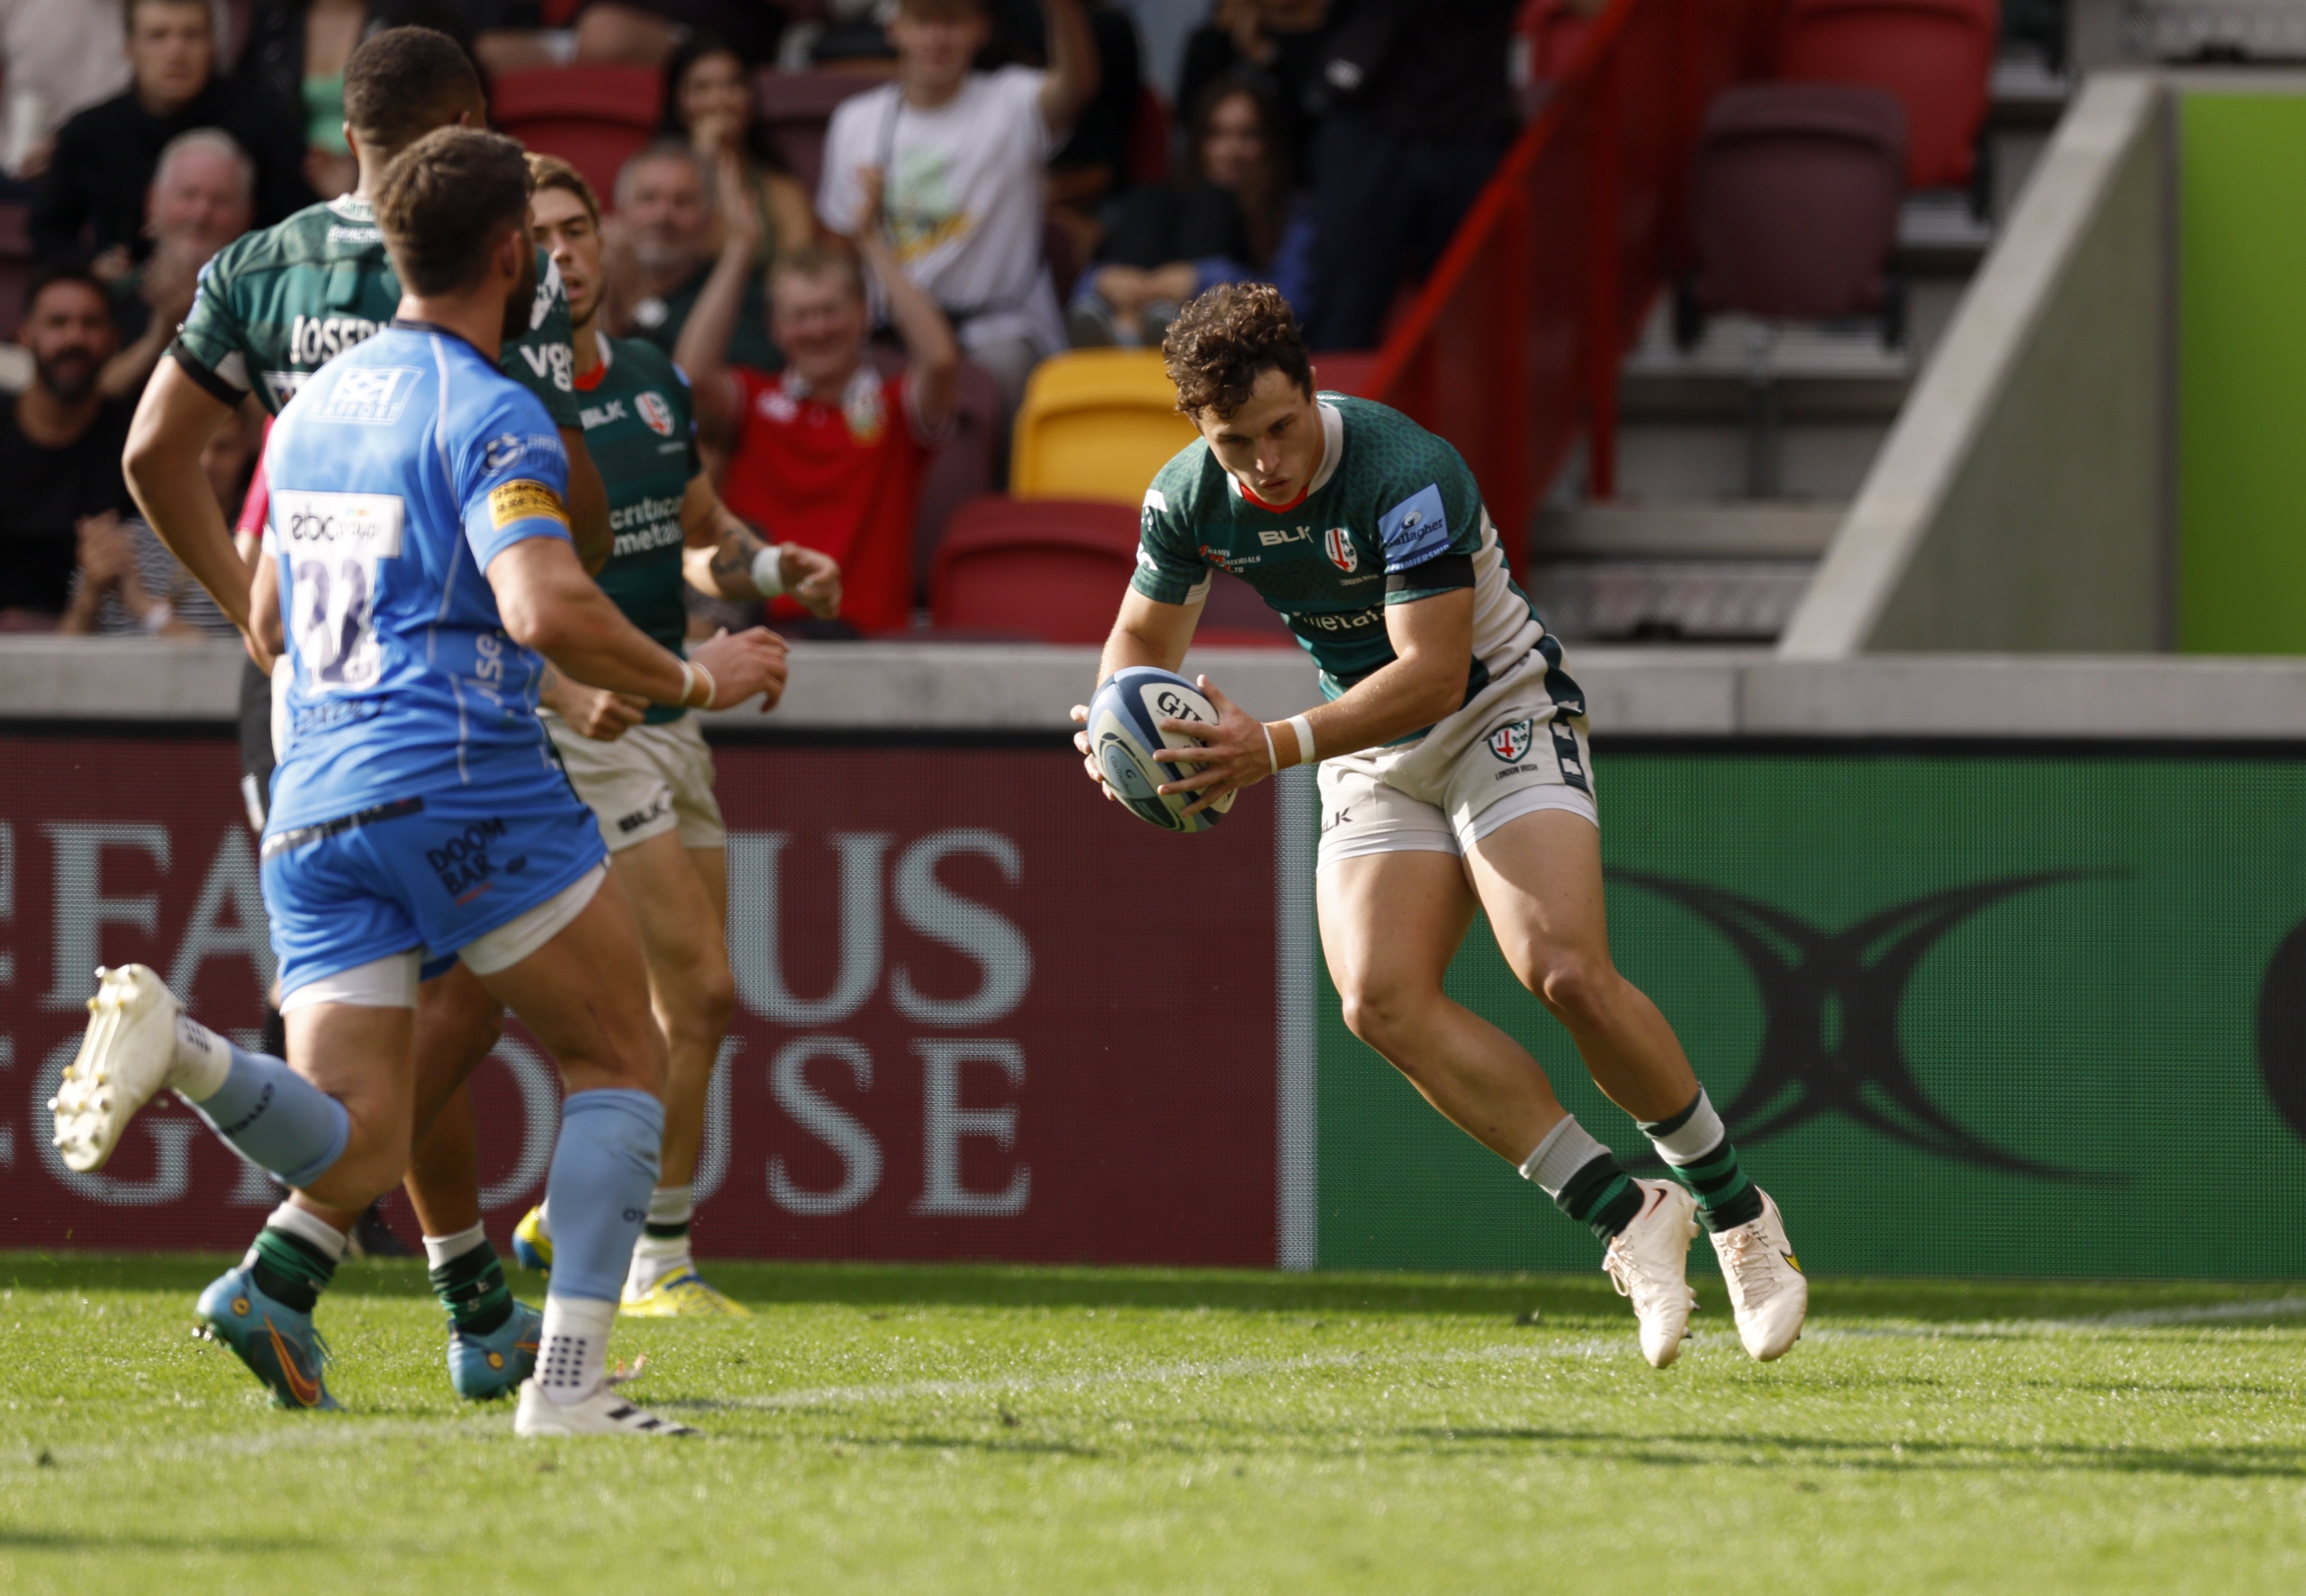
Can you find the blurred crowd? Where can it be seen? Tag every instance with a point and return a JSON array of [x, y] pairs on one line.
[[1014, 186]]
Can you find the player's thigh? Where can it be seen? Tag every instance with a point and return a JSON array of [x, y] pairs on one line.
[[584, 994], [1539, 879], [1390, 923], [679, 921], [457, 1024]]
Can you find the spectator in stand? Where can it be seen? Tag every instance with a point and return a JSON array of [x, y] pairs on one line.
[[661, 252], [828, 453], [60, 446], [203, 196], [129, 586], [638, 32], [295, 57], [1423, 112], [105, 155], [708, 102], [965, 154], [57, 57], [1232, 219], [1279, 43], [1091, 169]]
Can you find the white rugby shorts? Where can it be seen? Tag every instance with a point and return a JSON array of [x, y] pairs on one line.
[[651, 781], [1510, 752]]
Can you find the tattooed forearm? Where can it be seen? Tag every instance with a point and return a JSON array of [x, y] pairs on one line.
[[732, 561]]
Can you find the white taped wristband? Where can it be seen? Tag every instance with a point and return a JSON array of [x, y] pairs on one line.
[[687, 683], [1272, 759], [769, 572], [712, 687], [1304, 730]]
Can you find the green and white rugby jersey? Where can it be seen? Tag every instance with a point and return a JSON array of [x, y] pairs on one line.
[[1393, 516], [638, 429], [275, 305]]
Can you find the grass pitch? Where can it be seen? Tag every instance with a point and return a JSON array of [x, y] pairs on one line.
[[991, 1429]]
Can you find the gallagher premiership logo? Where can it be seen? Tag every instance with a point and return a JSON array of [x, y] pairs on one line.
[[1830, 1003]]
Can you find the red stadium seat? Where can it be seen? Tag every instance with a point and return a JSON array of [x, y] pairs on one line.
[[1148, 138], [1553, 31], [16, 267], [1935, 55], [966, 464], [1794, 200], [795, 107], [1049, 570], [596, 118], [1053, 570]]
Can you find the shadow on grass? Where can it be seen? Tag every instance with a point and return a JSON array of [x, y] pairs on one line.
[[1780, 1451], [896, 1287]]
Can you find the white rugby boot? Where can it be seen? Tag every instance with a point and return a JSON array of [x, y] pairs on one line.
[[1648, 1261], [127, 1059], [603, 1412], [1767, 1288]]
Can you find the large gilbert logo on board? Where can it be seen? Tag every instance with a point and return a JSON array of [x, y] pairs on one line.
[[1831, 1002]]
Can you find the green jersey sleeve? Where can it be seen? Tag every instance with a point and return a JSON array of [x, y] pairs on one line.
[[543, 360], [1428, 532], [210, 345], [1170, 569]]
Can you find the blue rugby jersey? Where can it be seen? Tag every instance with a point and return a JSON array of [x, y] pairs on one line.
[[398, 473]]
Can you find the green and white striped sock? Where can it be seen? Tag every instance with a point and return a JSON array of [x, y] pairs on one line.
[[1695, 1146]]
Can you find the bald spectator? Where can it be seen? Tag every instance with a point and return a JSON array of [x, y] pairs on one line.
[[60, 445], [663, 250], [92, 196], [203, 196]]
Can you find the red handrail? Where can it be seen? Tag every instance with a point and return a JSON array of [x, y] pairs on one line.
[[1511, 349]]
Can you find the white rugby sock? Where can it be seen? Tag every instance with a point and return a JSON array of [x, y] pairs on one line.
[[572, 1355], [441, 1250], [305, 1225], [656, 1257]]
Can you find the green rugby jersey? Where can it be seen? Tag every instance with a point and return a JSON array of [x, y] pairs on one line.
[[275, 305], [1393, 516], [638, 429]]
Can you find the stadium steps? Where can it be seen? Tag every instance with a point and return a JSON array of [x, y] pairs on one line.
[[1737, 457]]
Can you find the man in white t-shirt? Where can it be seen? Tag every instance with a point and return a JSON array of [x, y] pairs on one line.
[[965, 153], [57, 57]]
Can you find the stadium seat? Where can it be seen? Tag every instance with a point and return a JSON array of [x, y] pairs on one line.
[[595, 118], [1096, 424], [1551, 31], [16, 267], [1052, 570], [1794, 200], [795, 107], [1935, 55], [1148, 138], [965, 466]]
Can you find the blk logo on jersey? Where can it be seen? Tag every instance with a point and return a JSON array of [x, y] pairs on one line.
[[1340, 545], [656, 412], [1509, 743]]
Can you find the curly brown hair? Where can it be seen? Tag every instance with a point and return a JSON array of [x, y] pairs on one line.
[[1222, 342]]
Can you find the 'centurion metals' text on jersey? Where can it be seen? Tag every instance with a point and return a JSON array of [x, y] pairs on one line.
[[397, 474], [1393, 516], [275, 306], [640, 431]]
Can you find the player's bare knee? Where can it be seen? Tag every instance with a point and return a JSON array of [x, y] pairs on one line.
[[1385, 1014], [1573, 984]]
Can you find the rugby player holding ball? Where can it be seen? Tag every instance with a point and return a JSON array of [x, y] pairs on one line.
[[1455, 774]]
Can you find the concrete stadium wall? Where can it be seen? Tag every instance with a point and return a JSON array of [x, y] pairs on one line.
[[2020, 502]]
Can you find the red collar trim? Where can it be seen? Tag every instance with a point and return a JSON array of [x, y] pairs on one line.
[[586, 382], [1271, 510]]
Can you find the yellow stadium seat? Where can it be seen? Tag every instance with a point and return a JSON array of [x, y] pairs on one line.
[[1096, 424]]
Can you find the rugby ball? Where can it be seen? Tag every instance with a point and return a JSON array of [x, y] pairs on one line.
[[1124, 729]]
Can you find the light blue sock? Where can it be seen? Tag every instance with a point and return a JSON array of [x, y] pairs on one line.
[[603, 1172], [280, 1120]]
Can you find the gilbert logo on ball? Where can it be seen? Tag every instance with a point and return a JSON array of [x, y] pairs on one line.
[[1125, 731]]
